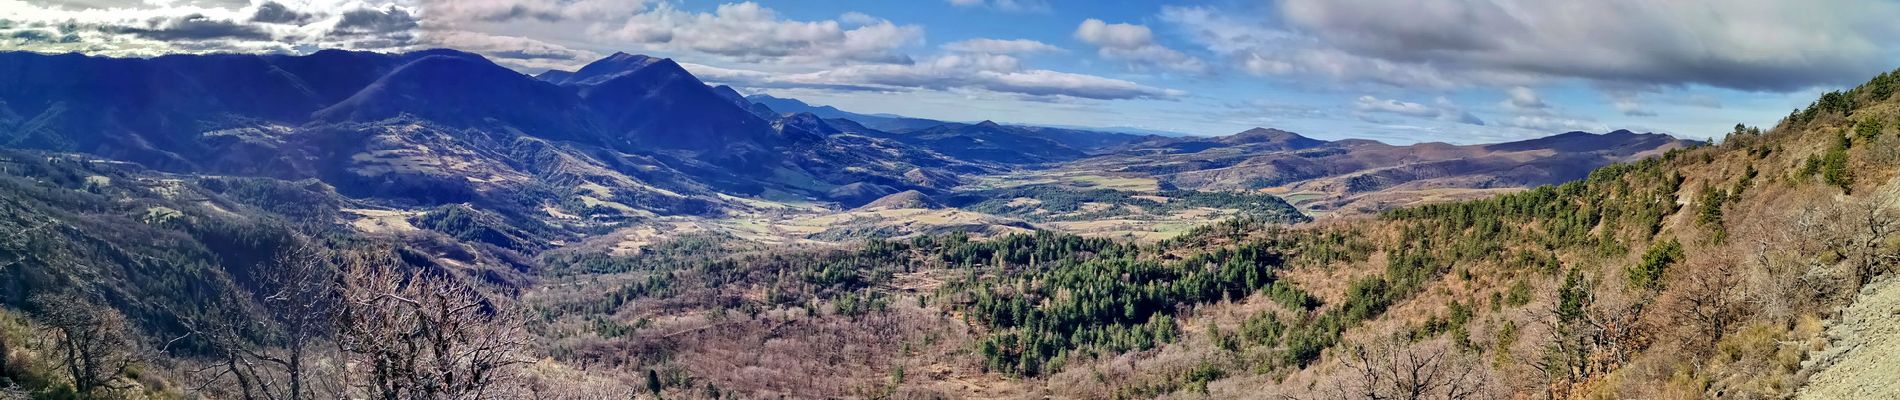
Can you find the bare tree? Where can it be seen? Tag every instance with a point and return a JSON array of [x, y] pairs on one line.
[[1707, 300], [424, 336], [13, 392], [1818, 251], [1592, 332], [302, 297], [1874, 223], [4, 352], [1392, 369], [267, 356], [1793, 256], [95, 344]]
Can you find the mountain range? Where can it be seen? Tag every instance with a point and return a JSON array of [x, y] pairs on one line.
[[625, 228], [1368, 176], [632, 138], [443, 126]]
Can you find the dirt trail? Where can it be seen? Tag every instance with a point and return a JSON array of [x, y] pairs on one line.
[[1862, 360]]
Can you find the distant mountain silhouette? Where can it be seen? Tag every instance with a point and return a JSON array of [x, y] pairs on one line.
[[1077, 139], [606, 68], [1345, 170], [439, 126], [444, 126], [435, 88], [989, 141]]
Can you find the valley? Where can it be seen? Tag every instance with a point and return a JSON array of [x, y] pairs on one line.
[[628, 230]]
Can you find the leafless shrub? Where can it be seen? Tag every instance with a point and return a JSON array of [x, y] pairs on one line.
[[423, 336], [272, 357], [1706, 300], [94, 341], [1392, 369]]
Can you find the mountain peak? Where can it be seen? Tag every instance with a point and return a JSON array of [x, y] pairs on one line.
[[612, 66], [1587, 134], [987, 124], [435, 87], [1258, 131], [452, 53], [1580, 141], [908, 199], [732, 95], [654, 102], [624, 57], [1282, 138], [554, 76]]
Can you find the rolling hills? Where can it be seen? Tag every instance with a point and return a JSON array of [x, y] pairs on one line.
[[1366, 176], [631, 141], [1743, 269], [643, 231]]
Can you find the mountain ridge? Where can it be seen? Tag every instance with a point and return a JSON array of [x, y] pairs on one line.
[[410, 125], [406, 125], [1351, 174]]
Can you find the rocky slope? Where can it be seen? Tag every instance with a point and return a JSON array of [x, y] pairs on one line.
[[1863, 342]]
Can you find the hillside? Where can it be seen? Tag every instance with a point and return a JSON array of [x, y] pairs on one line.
[[123, 282], [625, 138], [1362, 176], [1708, 271], [633, 143], [627, 229]]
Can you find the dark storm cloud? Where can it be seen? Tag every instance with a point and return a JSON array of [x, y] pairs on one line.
[[196, 27], [370, 21], [39, 36], [272, 12]]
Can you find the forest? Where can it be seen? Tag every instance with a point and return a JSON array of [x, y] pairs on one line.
[[1707, 271]]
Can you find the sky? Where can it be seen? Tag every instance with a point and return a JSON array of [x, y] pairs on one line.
[[1400, 71]]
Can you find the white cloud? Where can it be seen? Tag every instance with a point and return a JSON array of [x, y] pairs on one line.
[[513, 51], [1625, 99], [1629, 107], [1374, 104], [752, 33], [1523, 98], [1038, 6], [1135, 45], [984, 72], [154, 28], [1442, 109], [1742, 44], [1703, 100], [472, 11], [1000, 46], [1530, 112], [1259, 47], [751, 44], [1551, 124], [744, 31], [855, 18]]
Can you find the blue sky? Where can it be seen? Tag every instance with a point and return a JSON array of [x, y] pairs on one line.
[[1462, 71]]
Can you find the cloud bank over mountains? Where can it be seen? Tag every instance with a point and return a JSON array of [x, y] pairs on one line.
[[854, 51]]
